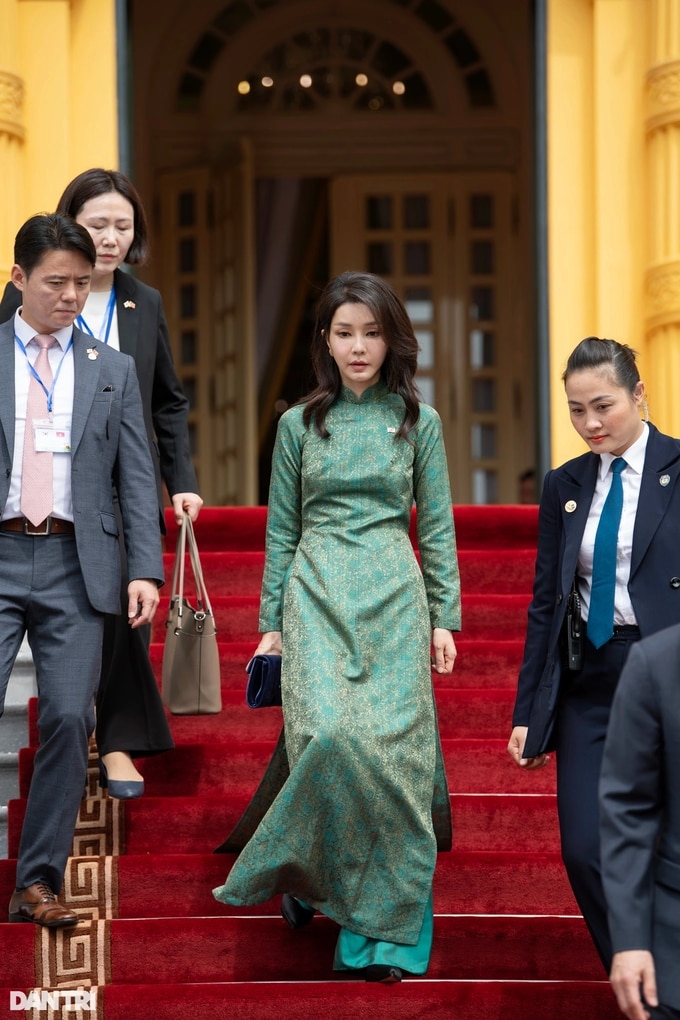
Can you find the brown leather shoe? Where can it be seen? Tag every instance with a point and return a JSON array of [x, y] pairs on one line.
[[39, 904]]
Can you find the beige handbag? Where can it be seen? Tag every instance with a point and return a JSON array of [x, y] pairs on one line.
[[191, 662]]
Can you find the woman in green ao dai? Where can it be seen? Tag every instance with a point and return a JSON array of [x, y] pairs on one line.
[[354, 829]]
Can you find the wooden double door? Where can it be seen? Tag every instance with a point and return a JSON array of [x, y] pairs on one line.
[[448, 242]]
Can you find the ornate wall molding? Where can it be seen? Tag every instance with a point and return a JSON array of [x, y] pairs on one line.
[[11, 104], [663, 84], [662, 288], [284, 150]]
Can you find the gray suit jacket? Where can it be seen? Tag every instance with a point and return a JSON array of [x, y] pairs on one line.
[[143, 334], [640, 809], [108, 447]]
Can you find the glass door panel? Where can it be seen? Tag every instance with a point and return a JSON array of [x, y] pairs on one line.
[[444, 241]]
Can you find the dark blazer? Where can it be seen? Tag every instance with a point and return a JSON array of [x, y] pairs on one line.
[[654, 584], [640, 809], [143, 334], [106, 425]]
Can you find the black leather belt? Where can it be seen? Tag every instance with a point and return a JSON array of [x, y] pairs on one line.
[[626, 630], [50, 526]]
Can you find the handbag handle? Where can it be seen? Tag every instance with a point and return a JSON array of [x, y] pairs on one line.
[[187, 529], [178, 567], [201, 590]]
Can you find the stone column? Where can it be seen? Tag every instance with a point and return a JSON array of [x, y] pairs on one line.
[[11, 134], [661, 367]]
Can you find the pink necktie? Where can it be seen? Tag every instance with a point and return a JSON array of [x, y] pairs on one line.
[[36, 474]]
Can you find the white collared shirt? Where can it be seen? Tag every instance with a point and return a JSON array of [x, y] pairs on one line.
[[631, 478], [94, 314], [62, 409]]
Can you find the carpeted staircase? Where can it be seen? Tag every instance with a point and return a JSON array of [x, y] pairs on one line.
[[508, 938]]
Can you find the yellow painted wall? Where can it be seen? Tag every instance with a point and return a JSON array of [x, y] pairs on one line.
[[597, 60], [58, 59]]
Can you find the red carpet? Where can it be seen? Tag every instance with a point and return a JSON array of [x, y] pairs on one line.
[[508, 938]]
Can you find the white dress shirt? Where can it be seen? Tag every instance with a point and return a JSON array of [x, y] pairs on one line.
[[94, 314], [631, 478], [62, 412]]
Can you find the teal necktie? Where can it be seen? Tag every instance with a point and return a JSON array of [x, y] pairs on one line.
[[600, 625]]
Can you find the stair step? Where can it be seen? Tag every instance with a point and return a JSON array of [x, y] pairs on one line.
[[236, 616], [348, 1000], [477, 527], [480, 664], [4, 840], [188, 825], [465, 882], [472, 765], [9, 776], [9, 783], [507, 948], [486, 714], [14, 727], [482, 571]]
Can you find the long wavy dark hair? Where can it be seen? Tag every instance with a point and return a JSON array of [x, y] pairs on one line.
[[397, 370]]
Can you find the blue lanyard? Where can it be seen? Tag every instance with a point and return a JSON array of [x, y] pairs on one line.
[[106, 321], [48, 393]]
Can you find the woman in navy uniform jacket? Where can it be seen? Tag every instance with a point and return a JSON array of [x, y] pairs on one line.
[[567, 710], [127, 314]]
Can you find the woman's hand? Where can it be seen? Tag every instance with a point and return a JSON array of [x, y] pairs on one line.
[[444, 650], [190, 502], [518, 739], [270, 643]]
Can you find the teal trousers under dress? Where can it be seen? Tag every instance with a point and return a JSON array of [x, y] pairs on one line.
[[353, 952]]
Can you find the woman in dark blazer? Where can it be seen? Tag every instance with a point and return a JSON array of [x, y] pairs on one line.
[[125, 313], [567, 709]]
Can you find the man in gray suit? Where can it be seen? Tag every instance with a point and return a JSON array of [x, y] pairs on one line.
[[59, 560], [640, 829]]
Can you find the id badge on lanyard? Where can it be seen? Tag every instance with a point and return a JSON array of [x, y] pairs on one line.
[[50, 436]]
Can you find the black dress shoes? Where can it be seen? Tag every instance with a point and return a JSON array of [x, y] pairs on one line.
[[38, 904], [383, 973], [294, 913]]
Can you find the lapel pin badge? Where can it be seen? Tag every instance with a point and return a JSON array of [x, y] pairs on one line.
[[92, 354], [129, 304], [570, 506], [664, 480]]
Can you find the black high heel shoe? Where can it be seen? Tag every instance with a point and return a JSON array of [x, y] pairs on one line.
[[382, 972], [294, 913], [121, 789]]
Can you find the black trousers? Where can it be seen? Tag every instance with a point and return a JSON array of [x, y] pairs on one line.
[[130, 713], [582, 722], [663, 1013]]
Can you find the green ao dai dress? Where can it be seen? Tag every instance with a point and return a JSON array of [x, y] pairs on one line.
[[351, 829]]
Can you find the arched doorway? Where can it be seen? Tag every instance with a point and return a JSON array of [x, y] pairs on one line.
[[288, 140]]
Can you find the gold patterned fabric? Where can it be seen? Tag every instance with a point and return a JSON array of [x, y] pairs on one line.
[[350, 831]]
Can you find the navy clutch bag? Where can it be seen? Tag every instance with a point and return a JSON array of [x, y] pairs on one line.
[[264, 681]]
